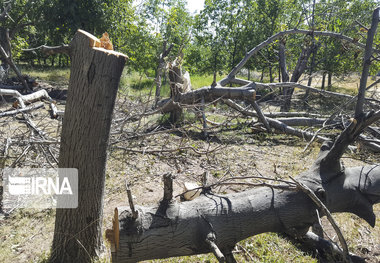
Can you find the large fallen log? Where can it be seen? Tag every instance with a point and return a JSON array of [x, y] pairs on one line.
[[215, 223], [179, 229]]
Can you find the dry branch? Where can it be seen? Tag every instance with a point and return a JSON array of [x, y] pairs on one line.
[[26, 109], [278, 125], [210, 94], [271, 39], [179, 229], [10, 62]]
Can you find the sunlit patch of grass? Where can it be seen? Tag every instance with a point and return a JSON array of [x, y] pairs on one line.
[[267, 247], [26, 236], [48, 74], [270, 247]]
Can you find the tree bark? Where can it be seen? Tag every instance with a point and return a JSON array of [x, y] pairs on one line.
[[160, 69], [94, 80], [180, 229], [297, 73], [209, 94], [282, 58], [179, 84], [367, 63]]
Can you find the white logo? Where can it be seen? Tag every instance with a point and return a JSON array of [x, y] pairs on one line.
[[40, 188], [19, 185]]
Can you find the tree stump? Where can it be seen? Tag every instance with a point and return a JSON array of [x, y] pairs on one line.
[[94, 80]]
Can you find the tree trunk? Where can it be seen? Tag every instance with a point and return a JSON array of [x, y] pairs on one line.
[[329, 80], [311, 70], [282, 58], [160, 70], [94, 80], [178, 85], [323, 81], [297, 73], [367, 62], [271, 78], [180, 229]]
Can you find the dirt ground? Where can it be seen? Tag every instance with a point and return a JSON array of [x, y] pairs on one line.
[[233, 149]]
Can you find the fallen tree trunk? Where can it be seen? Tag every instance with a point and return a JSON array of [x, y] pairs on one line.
[[304, 121], [210, 94], [23, 99], [179, 229]]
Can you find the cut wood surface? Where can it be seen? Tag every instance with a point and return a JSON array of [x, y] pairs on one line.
[[94, 80], [179, 229]]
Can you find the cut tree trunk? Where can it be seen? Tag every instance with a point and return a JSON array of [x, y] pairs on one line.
[[160, 70], [179, 84], [180, 229], [94, 80]]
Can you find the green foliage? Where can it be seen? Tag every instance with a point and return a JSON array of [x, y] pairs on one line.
[[213, 41]]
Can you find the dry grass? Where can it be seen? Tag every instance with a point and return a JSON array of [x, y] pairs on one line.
[[25, 236]]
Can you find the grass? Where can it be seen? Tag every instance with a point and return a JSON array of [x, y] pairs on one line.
[[23, 235], [47, 74], [36, 228]]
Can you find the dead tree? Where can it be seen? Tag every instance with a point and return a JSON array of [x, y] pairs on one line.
[[215, 223], [179, 84], [160, 69], [94, 80]]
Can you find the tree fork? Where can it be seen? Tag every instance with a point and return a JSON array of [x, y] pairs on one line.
[[94, 80]]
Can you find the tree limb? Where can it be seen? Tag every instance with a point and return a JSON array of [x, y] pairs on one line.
[[271, 39]]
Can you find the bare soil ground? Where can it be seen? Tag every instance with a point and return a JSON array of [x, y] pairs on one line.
[[232, 149]]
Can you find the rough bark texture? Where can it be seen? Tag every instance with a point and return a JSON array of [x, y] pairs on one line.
[[282, 60], [94, 80], [176, 87], [178, 229], [297, 73]]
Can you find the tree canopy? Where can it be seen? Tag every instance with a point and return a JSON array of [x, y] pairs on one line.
[[212, 41]]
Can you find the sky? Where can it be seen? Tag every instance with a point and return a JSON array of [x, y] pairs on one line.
[[195, 5]]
